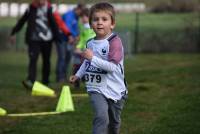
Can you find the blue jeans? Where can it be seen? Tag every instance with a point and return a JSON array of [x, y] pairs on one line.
[[64, 53]]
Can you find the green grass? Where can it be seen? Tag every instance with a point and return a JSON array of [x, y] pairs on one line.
[[147, 20], [166, 32], [163, 98], [152, 21]]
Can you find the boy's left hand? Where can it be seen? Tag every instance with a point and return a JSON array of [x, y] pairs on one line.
[[87, 54]]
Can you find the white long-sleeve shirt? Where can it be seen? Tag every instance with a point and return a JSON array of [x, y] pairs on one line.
[[105, 72]]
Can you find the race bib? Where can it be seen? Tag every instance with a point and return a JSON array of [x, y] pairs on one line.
[[95, 77]]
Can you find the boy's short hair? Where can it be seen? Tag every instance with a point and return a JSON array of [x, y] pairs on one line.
[[102, 6]]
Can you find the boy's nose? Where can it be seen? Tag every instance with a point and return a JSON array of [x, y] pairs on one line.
[[99, 22]]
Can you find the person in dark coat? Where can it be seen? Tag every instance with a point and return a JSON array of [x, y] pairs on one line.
[[41, 31]]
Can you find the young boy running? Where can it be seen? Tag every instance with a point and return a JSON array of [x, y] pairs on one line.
[[103, 71]]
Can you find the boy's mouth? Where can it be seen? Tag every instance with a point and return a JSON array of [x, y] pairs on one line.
[[100, 28]]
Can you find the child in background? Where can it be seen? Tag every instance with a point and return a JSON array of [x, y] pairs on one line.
[[103, 71], [86, 33]]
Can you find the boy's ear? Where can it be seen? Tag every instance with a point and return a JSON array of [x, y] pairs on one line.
[[113, 25]]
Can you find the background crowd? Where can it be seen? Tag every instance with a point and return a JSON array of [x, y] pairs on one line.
[[45, 26]]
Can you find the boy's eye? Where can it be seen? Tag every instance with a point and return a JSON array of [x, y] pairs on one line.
[[104, 19]]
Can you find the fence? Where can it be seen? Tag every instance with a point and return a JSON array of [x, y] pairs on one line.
[[169, 33], [147, 33]]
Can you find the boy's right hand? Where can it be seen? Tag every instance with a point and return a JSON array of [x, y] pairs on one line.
[[73, 78]]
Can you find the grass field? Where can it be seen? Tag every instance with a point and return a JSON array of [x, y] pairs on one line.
[[160, 32], [147, 20], [164, 98], [152, 21]]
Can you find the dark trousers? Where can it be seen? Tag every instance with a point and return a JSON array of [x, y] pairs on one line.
[[34, 49]]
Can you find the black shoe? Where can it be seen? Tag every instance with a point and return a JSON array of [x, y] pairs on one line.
[[27, 84]]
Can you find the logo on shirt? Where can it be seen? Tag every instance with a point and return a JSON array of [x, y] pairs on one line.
[[42, 27], [103, 51]]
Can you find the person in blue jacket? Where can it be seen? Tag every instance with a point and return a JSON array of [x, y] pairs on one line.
[[65, 49]]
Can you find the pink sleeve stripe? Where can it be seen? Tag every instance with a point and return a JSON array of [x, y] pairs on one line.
[[115, 54]]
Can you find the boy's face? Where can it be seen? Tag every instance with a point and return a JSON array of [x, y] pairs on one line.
[[102, 24]]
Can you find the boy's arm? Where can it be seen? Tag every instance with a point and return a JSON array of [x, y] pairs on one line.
[[103, 64], [81, 70]]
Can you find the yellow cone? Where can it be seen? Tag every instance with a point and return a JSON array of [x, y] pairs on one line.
[[2, 112], [42, 90], [65, 102]]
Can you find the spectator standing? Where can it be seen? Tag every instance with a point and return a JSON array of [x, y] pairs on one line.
[[40, 32], [60, 46], [65, 49]]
